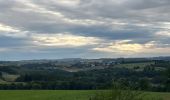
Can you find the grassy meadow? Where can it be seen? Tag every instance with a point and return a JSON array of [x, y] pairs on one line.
[[57, 95]]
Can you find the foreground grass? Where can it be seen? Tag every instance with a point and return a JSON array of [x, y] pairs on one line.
[[57, 95], [45, 95], [165, 96]]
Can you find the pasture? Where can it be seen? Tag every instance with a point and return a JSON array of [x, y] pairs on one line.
[[57, 94]]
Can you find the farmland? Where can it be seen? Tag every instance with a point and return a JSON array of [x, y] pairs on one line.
[[57, 95], [48, 80]]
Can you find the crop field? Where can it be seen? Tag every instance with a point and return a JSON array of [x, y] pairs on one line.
[[132, 65], [140, 65], [56, 95]]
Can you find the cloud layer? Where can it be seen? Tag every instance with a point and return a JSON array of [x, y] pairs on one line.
[[37, 29]]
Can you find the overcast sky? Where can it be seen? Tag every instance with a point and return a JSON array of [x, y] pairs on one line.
[[52, 29]]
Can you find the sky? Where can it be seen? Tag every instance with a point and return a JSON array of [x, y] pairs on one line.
[[55, 29]]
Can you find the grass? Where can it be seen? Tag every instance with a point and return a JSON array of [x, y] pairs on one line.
[[45, 95], [56, 95], [132, 65], [9, 77], [165, 96], [140, 65]]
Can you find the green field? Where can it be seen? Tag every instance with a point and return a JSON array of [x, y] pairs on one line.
[[140, 65], [56, 95], [45, 95], [165, 96], [132, 65]]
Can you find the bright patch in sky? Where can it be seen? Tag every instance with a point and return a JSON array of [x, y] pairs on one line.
[[4, 28], [66, 40], [69, 2]]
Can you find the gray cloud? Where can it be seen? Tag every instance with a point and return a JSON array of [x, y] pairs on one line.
[[107, 20]]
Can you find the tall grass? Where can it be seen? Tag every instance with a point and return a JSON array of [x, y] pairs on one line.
[[122, 93]]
